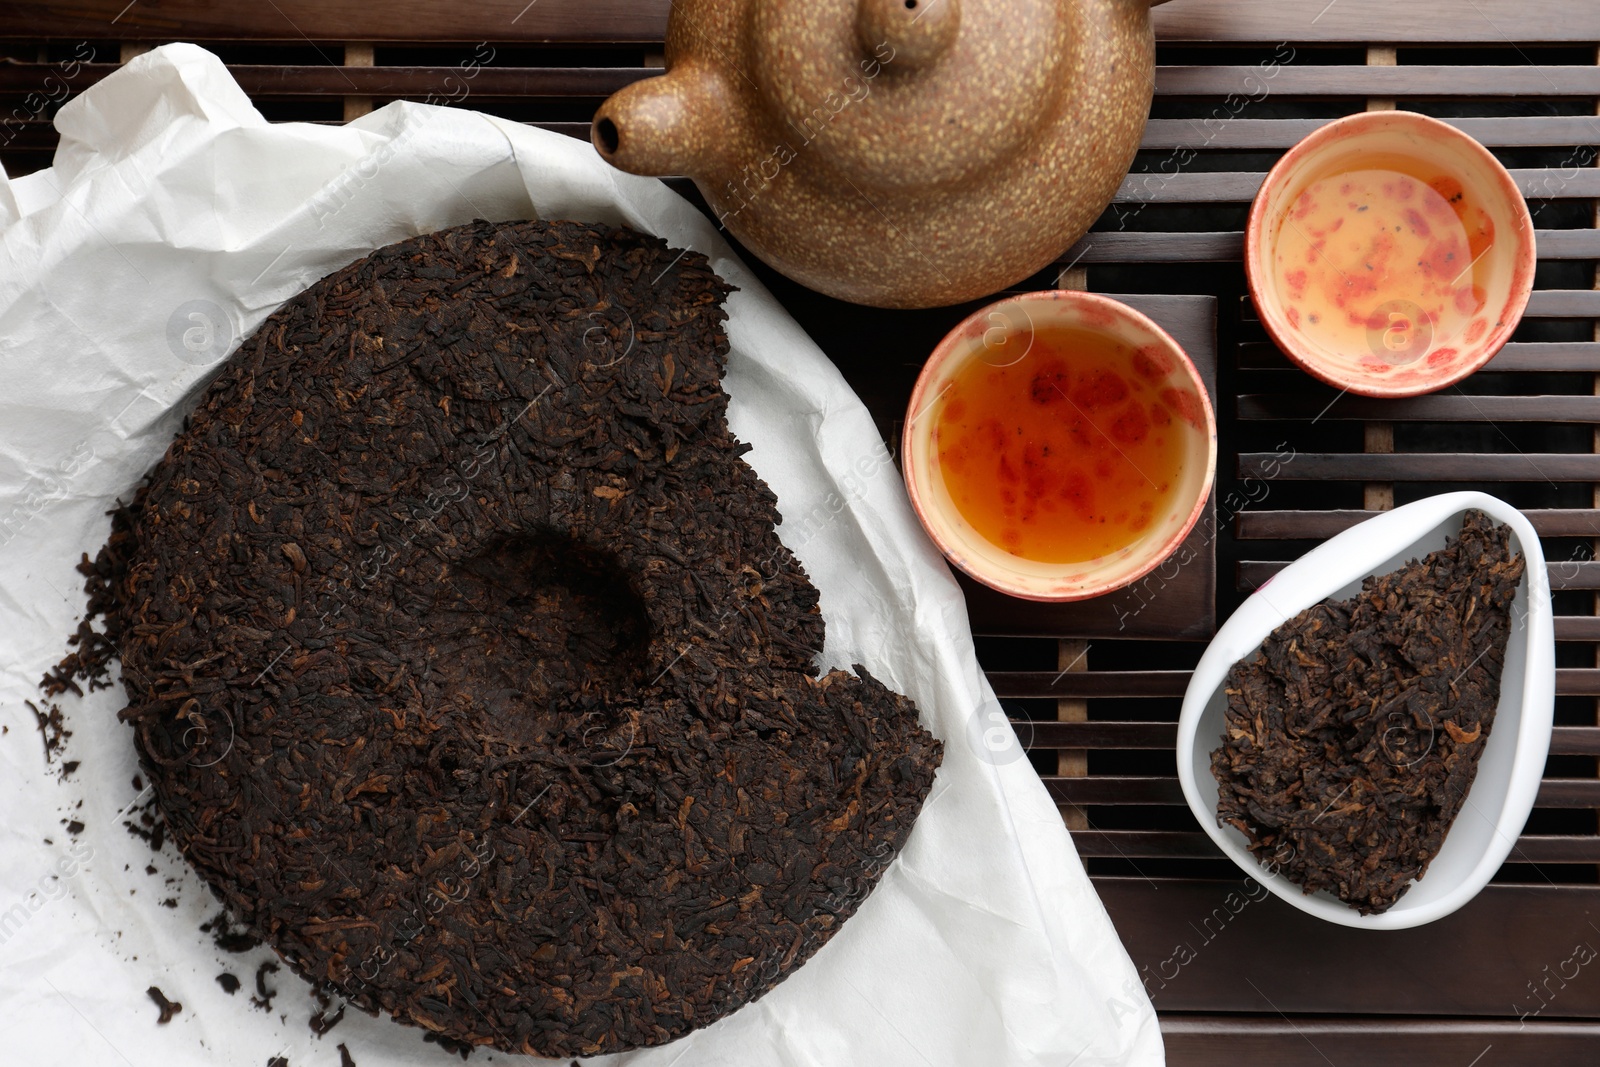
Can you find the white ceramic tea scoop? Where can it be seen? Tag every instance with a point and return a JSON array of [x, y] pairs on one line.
[[1512, 763]]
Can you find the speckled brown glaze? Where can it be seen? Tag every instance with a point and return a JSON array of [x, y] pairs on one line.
[[895, 155]]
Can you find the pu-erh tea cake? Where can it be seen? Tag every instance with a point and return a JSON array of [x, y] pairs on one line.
[[467, 664], [1353, 734]]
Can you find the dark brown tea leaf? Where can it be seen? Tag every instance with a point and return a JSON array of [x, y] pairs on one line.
[[1354, 732], [468, 667]]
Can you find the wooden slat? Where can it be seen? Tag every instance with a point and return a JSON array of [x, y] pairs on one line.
[[32, 134], [1575, 740], [1577, 627], [1172, 844], [1115, 790], [566, 21], [1564, 740], [1097, 735], [1544, 356], [1318, 1041], [1239, 187], [1072, 657], [1580, 681], [1496, 22], [1321, 404], [1473, 467], [359, 55], [1054, 686], [1253, 575], [1160, 789], [1137, 246], [1568, 244], [1145, 844], [1241, 133], [37, 136], [1474, 962], [1542, 304], [1305, 79], [1131, 246], [1571, 574], [1564, 303], [1557, 848], [1320, 525], [578, 130], [302, 80], [1186, 187], [484, 82], [291, 80], [1290, 80], [1199, 247]]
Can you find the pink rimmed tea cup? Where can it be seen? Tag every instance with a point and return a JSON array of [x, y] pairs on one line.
[[1081, 391]]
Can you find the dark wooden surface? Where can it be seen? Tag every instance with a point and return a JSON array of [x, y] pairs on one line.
[[1223, 946], [646, 20], [540, 21], [1238, 81], [1318, 1041]]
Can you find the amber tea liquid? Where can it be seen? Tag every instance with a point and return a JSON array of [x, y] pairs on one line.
[[1061, 445], [1384, 254]]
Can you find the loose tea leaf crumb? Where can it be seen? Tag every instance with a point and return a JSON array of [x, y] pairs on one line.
[[264, 995], [169, 1008], [148, 825], [1353, 734], [345, 1059], [52, 728], [226, 935], [229, 982], [326, 1016]]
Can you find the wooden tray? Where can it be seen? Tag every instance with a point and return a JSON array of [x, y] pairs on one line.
[[1238, 82]]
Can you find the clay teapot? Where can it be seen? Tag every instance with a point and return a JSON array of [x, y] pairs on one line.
[[900, 153]]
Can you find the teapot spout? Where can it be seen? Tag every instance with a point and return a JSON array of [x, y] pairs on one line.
[[664, 125]]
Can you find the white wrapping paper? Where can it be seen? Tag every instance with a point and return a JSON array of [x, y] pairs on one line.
[[174, 220]]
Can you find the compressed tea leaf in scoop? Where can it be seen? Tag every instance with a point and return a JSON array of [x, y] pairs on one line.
[[1353, 733]]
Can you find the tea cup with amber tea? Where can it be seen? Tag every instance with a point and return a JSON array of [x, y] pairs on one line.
[[1389, 254], [1059, 445]]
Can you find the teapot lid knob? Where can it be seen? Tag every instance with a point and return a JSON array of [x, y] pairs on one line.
[[918, 31]]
